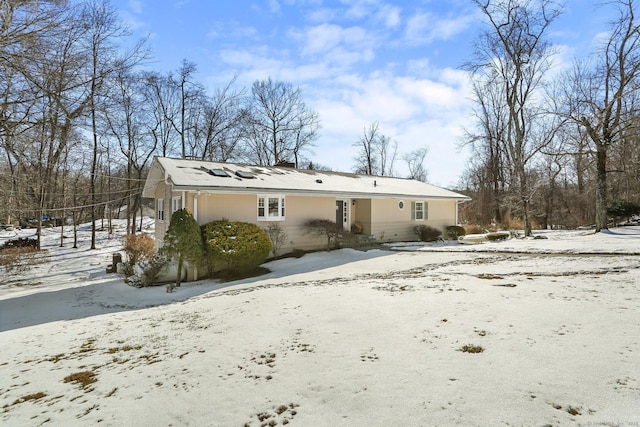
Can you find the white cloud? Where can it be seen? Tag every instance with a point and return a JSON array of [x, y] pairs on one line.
[[326, 37], [390, 15], [414, 111], [426, 27], [321, 15], [359, 9], [131, 21]]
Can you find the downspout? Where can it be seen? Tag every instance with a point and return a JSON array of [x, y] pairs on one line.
[[195, 216], [167, 202]]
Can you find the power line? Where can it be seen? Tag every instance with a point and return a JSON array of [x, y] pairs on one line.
[[68, 208]]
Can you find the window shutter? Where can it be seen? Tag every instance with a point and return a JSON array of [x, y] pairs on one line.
[[413, 211], [426, 211]]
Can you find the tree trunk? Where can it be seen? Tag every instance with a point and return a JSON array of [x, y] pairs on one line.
[[601, 189], [179, 275]]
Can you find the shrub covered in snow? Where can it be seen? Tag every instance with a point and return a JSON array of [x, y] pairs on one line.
[[146, 272], [234, 246]]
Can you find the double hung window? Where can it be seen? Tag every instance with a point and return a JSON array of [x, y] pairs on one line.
[[419, 211], [160, 210], [176, 203], [270, 207]]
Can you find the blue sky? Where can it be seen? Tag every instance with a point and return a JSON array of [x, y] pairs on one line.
[[396, 62]]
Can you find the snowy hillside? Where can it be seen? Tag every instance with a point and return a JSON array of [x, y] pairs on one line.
[[521, 332]]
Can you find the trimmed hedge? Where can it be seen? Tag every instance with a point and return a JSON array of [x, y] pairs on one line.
[[234, 246], [455, 231]]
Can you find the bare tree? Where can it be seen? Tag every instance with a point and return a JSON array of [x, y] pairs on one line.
[[219, 125], [514, 55], [415, 164], [490, 165], [280, 125], [164, 102], [103, 32], [376, 152], [366, 159], [130, 124], [603, 96], [189, 93]]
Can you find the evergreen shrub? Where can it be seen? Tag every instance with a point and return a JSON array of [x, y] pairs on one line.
[[455, 231], [234, 246], [183, 241]]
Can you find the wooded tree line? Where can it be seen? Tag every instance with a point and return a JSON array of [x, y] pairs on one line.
[[81, 117], [552, 149]]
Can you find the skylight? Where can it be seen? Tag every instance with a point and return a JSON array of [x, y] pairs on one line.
[[218, 172], [245, 175]]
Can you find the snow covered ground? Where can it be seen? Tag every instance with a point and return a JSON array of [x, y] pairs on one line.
[[346, 338]]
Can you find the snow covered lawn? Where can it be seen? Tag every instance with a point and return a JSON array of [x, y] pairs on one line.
[[345, 338]]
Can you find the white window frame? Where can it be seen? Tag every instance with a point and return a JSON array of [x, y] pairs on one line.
[[176, 203], [160, 209], [264, 207], [424, 210]]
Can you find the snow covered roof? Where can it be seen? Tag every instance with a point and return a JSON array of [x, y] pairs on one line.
[[196, 175]]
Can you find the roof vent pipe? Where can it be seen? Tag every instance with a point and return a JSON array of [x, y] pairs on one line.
[[375, 184]]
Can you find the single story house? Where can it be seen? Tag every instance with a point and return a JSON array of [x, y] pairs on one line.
[[384, 208]]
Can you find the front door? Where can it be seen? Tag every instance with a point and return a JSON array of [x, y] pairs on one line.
[[340, 214]]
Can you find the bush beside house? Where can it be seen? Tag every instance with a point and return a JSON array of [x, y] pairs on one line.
[[455, 231], [183, 241], [234, 246], [426, 233]]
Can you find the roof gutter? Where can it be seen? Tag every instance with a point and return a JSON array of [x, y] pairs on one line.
[[296, 192]]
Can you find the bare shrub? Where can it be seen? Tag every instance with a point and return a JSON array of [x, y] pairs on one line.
[[426, 233], [138, 247], [474, 229], [21, 259], [277, 235], [330, 230]]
